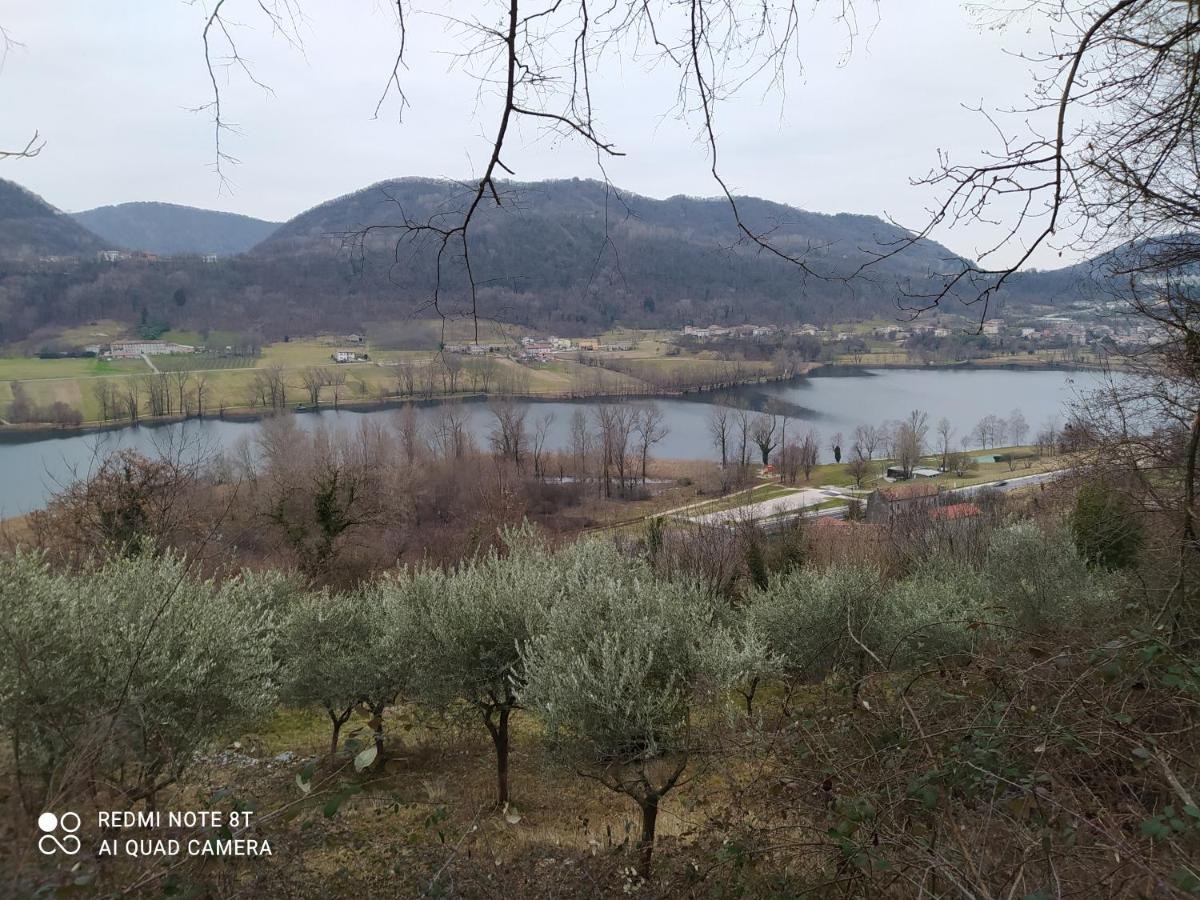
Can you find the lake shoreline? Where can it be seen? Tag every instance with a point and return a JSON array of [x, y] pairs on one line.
[[34, 432], [40, 431], [831, 401]]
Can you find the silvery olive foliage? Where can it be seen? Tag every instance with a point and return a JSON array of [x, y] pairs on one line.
[[621, 661], [846, 617], [1039, 578], [622, 670], [118, 677], [472, 626], [938, 611], [814, 620], [340, 650]]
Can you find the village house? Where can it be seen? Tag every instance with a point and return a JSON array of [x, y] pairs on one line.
[[347, 356], [885, 504], [993, 326]]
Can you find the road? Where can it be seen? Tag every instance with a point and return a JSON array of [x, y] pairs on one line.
[[772, 513], [765, 509], [1004, 485]]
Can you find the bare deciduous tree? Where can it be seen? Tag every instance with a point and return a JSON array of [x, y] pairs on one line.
[[650, 425], [719, 429], [763, 434]]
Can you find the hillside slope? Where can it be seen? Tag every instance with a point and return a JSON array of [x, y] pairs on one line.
[[167, 228], [30, 227]]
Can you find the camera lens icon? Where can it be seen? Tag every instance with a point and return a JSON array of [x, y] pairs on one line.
[[50, 842]]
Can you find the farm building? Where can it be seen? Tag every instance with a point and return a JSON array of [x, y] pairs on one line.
[[134, 349]]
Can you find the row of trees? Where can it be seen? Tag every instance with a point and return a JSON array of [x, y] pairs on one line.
[[177, 392], [610, 444], [23, 409], [621, 664], [739, 434]]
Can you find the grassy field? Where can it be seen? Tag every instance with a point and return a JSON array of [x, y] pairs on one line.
[[215, 339], [202, 362], [230, 379], [33, 369]]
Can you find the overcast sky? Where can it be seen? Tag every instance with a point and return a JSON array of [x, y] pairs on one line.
[[111, 87]]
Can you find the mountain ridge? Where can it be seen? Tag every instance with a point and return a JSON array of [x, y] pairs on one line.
[[170, 228]]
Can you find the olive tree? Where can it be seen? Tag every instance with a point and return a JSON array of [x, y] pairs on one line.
[[820, 621], [844, 618], [117, 677], [937, 611], [342, 650], [1040, 578], [471, 629], [618, 673]]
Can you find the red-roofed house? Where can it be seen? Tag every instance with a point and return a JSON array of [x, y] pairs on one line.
[[955, 511], [885, 503]]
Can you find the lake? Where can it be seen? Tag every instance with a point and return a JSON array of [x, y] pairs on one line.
[[829, 400]]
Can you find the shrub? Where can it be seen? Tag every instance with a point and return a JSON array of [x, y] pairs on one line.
[[933, 613], [1107, 529]]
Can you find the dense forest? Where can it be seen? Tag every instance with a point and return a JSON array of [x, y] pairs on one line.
[[571, 256]]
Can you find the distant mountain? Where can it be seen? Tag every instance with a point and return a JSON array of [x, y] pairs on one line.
[[574, 257], [167, 228], [30, 227], [577, 250]]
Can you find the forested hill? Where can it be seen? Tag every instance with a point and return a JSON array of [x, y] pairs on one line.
[[571, 256], [577, 249], [167, 228], [31, 227]]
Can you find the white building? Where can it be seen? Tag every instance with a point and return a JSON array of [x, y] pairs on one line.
[[134, 349]]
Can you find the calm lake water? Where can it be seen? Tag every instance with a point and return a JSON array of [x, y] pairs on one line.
[[31, 471]]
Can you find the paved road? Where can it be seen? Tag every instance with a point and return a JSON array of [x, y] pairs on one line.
[[1003, 485], [764, 509]]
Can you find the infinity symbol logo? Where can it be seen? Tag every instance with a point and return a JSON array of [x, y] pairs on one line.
[[49, 843]]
